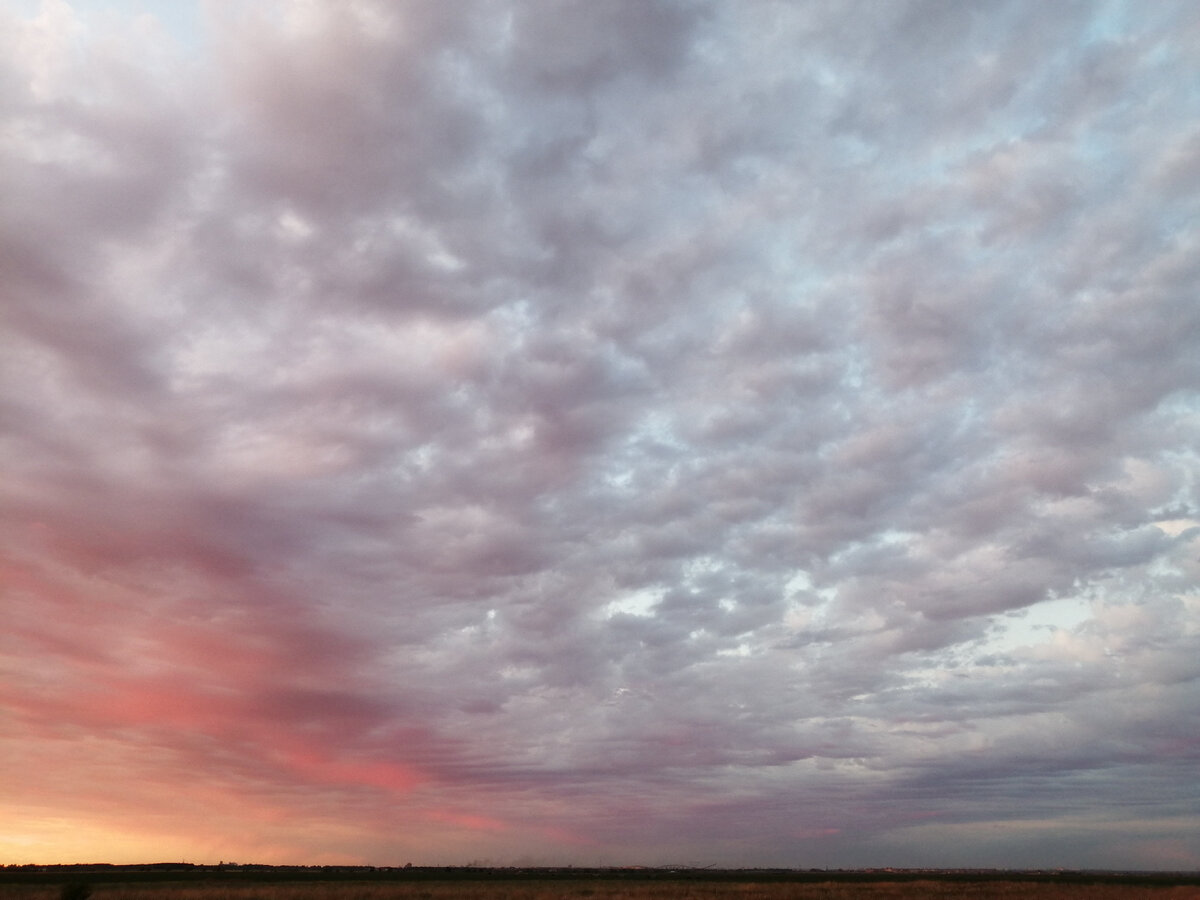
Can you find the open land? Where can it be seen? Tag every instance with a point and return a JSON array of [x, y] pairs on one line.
[[351, 883]]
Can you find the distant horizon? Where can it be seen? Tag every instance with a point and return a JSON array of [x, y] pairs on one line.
[[662, 867], [484, 867]]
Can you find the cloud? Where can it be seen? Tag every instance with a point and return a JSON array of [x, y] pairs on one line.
[[635, 431]]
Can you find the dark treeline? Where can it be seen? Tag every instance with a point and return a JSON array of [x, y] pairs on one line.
[[110, 873]]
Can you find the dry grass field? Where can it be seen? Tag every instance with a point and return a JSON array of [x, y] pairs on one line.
[[586, 890]]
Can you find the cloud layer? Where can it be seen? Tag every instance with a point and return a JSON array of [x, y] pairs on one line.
[[602, 432]]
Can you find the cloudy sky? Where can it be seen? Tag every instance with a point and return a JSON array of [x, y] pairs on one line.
[[627, 431]]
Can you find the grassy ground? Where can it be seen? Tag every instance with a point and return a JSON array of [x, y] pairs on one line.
[[569, 890]]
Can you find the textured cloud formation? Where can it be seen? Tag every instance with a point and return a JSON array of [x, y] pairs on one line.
[[623, 431]]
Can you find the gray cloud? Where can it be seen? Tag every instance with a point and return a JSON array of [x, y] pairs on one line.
[[648, 431]]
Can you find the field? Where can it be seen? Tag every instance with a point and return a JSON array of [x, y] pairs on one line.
[[691, 889]]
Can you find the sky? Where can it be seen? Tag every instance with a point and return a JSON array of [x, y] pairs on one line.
[[742, 432]]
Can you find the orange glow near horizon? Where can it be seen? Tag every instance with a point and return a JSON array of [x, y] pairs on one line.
[[46, 840]]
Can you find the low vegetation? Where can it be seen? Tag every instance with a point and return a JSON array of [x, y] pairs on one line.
[[613, 890]]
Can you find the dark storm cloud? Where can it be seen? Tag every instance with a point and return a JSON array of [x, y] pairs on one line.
[[654, 429]]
